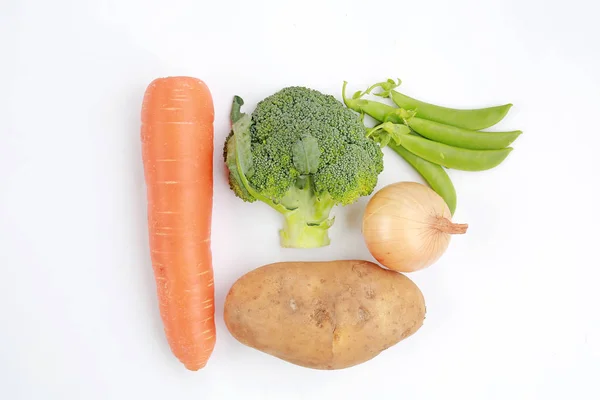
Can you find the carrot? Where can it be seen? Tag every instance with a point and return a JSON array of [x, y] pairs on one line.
[[177, 151]]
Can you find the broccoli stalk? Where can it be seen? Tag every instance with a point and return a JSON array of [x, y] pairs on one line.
[[301, 152], [307, 221]]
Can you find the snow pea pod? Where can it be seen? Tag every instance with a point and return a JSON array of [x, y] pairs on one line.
[[445, 155], [454, 157], [460, 137], [379, 111], [434, 175], [474, 119]]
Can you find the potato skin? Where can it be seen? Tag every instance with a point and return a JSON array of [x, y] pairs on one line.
[[323, 315]]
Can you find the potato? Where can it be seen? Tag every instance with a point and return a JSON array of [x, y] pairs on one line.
[[323, 315]]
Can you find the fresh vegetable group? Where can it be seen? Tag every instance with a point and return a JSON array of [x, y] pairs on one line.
[[303, 152]]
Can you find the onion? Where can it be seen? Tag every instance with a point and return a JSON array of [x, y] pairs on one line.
[[407, 226]]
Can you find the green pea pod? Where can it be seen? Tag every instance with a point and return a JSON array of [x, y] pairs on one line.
[[434, 175], [379, 111], [461, 137], [454, 157], [474, 119]]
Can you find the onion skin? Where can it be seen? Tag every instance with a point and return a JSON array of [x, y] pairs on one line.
[[407, 226]]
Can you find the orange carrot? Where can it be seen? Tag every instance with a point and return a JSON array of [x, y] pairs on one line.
[[177, 150]]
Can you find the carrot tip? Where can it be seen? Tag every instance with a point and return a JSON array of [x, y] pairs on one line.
[[194, 367]]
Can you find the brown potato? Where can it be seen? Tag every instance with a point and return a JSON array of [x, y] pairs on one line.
[[323, 315]]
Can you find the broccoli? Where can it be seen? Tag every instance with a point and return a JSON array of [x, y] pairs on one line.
[[301, 152]]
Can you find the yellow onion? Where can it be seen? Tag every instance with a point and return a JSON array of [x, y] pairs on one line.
[[407, 226]]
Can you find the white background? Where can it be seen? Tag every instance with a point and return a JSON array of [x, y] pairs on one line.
[[512, 306]]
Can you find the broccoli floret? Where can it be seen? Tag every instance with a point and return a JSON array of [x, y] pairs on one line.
[[301, 152]]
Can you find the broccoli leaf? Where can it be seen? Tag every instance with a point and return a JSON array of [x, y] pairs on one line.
[[236, 107], [306, 154], [235, 180], [243, 152], [241, 133]]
